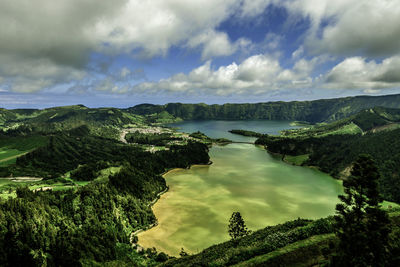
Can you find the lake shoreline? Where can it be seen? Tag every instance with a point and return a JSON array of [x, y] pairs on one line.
[[177, 229], [154, 202]]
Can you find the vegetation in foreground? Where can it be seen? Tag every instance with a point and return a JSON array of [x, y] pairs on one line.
[[362, 226], [361, 234]]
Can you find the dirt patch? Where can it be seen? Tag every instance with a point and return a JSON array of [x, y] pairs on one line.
[[24, 179]]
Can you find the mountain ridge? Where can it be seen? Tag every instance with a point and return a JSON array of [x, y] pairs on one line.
[[313, 111]]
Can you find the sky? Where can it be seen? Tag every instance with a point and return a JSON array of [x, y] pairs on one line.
[[125, 52]]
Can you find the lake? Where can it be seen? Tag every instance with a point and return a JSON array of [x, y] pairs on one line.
[[220, 128], [195, 212]]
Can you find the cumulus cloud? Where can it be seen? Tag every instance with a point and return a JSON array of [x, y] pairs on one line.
[[358, 72], [46, 43], [345, 27], [252, 8], [257, 74], [31, 75], [66, 32], [217, 44]]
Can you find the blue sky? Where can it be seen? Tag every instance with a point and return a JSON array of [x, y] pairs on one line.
[[125, 52]]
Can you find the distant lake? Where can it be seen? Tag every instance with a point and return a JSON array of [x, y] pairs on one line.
[[195, 212], [220, 128]]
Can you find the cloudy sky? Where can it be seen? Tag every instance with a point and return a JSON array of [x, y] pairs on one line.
[[125, 52]]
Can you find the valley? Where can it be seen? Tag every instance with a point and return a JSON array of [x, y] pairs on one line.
[[92, 178]]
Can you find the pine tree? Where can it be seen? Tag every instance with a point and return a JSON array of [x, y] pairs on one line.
[[237, 228], [183, 253], [361, 225]]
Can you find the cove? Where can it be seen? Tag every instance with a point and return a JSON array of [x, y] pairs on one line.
[[194, 213]]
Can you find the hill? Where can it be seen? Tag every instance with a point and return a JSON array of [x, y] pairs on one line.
[[333, 147], [310, 111], [294, 243], [100, 121]]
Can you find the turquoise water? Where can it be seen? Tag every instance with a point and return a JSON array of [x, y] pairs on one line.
[[219, 129]]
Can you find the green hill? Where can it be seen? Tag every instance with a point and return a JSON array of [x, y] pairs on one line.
[[310, 111], [333, 147], [101, 121], [294, 243]]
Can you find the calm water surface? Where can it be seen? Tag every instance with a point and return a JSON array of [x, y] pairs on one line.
[[194, 213], [219, 129]]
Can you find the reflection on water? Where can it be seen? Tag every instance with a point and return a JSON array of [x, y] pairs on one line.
[[194, 214]]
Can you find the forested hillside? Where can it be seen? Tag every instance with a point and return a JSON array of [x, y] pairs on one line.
[[310, 111], [333, 147], [72, 195]]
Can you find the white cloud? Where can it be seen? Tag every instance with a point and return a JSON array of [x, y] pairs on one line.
[[45, 43], [31, 75], [65, 32], [258, 74], [357, 72], [124, 72], [217, 44], [252, 8], [346, 27]]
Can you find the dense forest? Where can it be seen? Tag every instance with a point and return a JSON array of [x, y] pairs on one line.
[[93, 223]]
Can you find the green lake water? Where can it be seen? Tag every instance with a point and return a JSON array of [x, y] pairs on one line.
[[194, 213]]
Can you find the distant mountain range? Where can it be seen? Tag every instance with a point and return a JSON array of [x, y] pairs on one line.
[[324, 110]]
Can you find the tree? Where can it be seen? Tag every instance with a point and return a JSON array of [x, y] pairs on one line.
[[237, 228], [183, 253], [361, 225]]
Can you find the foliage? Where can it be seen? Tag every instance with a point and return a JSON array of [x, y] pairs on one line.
[[237, 228], [88, 172], [101, 122], [334, 154], [361, 225], [199, 135], [246, 133], [161, 139], [88, 225], [257, 243]]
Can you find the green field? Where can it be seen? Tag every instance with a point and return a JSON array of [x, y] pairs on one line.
[[9, 186], [13, 147], [296, 160], [307, 251]]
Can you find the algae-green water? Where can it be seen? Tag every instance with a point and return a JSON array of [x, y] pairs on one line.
[[195, 212]]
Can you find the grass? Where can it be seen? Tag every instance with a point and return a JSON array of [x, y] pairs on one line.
[[9, 156], [387, 205], [300, 253], [13, 147], [104, 174], [350, 128], [323, 130], [296, 160], [8, 187]]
